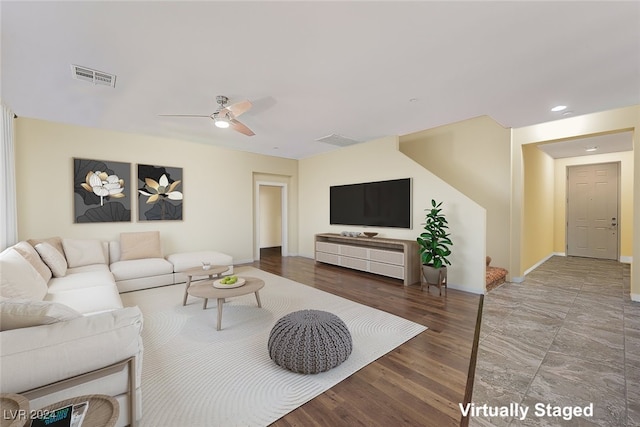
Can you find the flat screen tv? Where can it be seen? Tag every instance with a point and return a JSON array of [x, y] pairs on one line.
[[376, 204]]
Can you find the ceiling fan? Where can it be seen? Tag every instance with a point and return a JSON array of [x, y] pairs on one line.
[[225, 115]]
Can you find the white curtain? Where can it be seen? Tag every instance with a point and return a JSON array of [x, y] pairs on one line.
[[8, 204]]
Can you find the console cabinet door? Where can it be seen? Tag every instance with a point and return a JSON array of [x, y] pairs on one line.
[[355, 263], [396, 271], [387, 257]]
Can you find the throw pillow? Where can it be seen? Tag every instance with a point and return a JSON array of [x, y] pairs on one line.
[[81, 252], [56, 242], [140, 245], [19, 279], [30, 254], [52, 257], [21, 313]]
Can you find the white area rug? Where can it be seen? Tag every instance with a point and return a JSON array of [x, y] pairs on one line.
[[194, 375]]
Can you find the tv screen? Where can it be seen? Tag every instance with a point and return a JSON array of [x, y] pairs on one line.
[[379, 204]]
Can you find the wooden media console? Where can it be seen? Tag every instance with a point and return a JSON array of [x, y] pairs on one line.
[[387, 257]]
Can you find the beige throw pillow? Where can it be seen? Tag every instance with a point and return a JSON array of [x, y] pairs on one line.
[[80, 252], [18, 278], [140, 245], [21, 313], [52, 257], [30, 254], [56, 242]]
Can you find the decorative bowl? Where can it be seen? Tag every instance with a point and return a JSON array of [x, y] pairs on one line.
[[370, 234]]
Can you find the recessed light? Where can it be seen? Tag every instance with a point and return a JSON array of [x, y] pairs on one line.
[[559, 108], [591, 149], [413, 100], [567, 113]]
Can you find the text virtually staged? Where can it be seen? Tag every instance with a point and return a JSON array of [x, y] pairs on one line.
[[522, 412]]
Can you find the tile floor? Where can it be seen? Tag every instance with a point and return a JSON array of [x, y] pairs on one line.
[[567, 336]]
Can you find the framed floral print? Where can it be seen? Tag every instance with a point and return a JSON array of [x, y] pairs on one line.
[[160, 193], [100, 191]]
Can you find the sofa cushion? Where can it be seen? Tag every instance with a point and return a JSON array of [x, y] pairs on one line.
[[33, 357], [134, 269], [186, 260], [89, 300], [19, 279], [21, 313], [140, 245], [82, 277], [30, 254], [81, 252], [53, 258]]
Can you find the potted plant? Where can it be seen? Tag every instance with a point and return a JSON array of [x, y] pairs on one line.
[[434, 243]]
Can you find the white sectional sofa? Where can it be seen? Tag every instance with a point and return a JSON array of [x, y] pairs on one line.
[[64, 330], [68, 335]]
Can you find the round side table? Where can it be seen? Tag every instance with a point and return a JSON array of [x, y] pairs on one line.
[[15, 410], [214, 270]]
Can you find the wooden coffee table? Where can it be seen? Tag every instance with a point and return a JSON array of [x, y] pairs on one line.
[[206, 290], [214, 270]]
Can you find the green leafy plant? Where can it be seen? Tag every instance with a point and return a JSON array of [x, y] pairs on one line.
[[434, 242]]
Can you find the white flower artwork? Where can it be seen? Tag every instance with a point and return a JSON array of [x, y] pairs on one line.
[[100, 191], [160, 193]]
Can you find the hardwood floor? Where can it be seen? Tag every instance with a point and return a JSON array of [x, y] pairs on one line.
[[421, 382]]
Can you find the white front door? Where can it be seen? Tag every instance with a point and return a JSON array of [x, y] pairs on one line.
[[592, 211]]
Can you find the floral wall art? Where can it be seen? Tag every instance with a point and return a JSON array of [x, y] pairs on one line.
[[160, 193], [100, 191]]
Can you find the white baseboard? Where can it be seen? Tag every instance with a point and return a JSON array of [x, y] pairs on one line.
[[517, 279], [463, 288], [635, 297], [559, 254], [626, 259], [539, 263]]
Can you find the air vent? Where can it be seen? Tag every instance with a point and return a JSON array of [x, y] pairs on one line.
[[93, 76], [339, 140]]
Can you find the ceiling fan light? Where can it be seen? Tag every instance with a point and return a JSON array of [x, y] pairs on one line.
[[222, 124]]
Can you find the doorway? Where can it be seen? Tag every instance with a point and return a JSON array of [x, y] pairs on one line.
[[270, 218], [593, 210]]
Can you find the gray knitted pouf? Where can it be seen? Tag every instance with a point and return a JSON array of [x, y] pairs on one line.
[[309, 341]]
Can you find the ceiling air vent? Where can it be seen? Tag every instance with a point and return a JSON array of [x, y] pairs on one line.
[[93, 76], [339, 140]]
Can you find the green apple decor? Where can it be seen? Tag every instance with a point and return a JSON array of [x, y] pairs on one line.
[[229, 280], [434, 243]]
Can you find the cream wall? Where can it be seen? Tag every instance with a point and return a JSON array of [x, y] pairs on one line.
[[381, 160], [625, 228], [473, 156], [538, 204], [590, 124], [217, 185]]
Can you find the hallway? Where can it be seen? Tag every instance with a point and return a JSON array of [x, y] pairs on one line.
[[568, 336]]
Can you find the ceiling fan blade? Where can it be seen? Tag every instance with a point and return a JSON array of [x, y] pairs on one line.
[[236, 125], [186, 115], [239, 107]]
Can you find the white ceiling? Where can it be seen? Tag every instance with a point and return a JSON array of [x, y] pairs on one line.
[[611, 143], [317, 68]]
